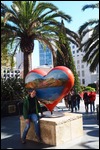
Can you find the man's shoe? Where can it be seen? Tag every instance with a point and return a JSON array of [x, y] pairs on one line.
[[39, 140], [23, 141]]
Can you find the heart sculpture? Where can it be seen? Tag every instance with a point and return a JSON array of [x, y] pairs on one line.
[[50, 87]]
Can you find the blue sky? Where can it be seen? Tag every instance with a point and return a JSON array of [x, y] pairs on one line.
[[74, 9]]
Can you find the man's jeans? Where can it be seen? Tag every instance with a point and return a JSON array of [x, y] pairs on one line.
[[34, 118]]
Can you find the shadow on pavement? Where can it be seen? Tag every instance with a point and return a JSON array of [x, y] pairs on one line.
[[14, 142], [94, 133]]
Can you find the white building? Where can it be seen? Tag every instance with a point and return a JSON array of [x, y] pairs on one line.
[[85, 76]]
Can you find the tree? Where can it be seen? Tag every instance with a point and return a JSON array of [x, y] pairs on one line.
[[91, 45], [27, 21], [65, 58], [6, 59]]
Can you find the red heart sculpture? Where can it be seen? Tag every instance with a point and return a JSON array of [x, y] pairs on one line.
[[50, 87]]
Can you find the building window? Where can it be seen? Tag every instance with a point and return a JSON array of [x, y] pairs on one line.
[[82, 66], [82, 73], [77, 51], [83, 81], [73, 46], [42, 62], [45, 55], [73, 52], [78, 66]]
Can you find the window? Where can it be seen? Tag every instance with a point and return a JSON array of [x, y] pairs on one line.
[[82, 66], [83, 81], [73, 52], [82, 73], [77, 51], [42, 57], [42, 62], [78, 66], [73, 46]]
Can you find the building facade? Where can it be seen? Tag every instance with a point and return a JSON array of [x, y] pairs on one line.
[[85, 76]]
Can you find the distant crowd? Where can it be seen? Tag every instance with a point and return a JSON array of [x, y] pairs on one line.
[[72, 101]]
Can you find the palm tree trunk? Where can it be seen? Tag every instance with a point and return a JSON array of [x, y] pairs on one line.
[[30, 61], [26, 64]]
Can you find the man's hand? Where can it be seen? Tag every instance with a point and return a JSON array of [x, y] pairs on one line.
[[27, 120], [41, 115]]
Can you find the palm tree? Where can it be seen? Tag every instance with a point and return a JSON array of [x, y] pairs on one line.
[[91, 46], [27, 21]]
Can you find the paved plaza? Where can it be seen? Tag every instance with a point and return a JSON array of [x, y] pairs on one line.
[[10, 134]]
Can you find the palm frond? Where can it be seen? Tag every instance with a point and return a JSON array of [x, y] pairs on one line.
[[90, 6], [86, 24], [94, 63]]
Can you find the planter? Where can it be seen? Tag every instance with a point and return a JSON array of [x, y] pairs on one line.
[[9, 108]]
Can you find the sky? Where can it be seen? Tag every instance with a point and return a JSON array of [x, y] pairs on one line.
[[74, 9]]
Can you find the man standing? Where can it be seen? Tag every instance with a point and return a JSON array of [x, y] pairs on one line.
[[86, 101], [78, 98], [92, 97]]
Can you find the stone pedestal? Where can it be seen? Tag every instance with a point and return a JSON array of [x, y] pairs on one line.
[[57, 130]]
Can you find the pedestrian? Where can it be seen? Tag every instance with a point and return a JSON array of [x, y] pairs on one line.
[[31, 109], [73, 101], [66, 100], [86, 101], [78, 98], [92, 97], [69, 100]]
